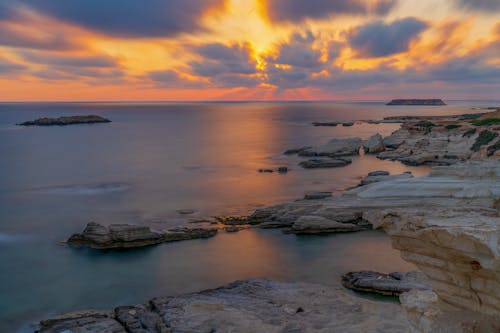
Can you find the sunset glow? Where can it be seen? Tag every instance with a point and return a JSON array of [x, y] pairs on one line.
[[248, 49]]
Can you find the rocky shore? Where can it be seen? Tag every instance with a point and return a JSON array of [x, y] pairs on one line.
[[446, 223], [62, 121], [242, 306]]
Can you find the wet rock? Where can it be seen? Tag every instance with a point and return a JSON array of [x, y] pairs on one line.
[[61, 121], [320, 225], [316, 163], [392, 284], [124, 236], [317, 195], [378, 173], [330, 123], [348, 124], [282, 169]]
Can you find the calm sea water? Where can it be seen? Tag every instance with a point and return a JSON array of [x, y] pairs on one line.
[[153, 160]]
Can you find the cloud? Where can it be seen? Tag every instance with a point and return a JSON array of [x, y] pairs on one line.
[[226, 66], [298, 52], [379, 39], [172, 79], [73, 67], [7, 67], [298, 10], [125, 18], [479, 5]]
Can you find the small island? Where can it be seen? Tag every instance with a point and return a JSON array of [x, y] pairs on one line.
[[435, 102], [62, 121]]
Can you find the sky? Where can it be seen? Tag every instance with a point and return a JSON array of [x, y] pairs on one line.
[[199, 50]]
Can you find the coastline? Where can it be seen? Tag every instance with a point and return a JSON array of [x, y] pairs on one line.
[[463, 171]]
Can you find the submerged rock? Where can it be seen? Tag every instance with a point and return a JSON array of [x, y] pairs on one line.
[[246, 306], [392, 284], [329, 123], [125, 236], [61, 121]]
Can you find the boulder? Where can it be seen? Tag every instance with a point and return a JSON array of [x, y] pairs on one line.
[[375, 144]]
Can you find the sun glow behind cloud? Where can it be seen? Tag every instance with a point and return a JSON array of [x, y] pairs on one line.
[[247, 49]]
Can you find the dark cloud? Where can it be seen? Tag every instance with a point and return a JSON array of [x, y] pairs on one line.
[[50, 41], [479, 5], [127, 18], [298, 52], [171, 79], [226, 66], [8, 67], [99, 61], [298, 10], [378, 39], [90, 68]]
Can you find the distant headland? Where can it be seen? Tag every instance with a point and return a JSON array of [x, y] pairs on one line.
[[435, 101], [61, 121]]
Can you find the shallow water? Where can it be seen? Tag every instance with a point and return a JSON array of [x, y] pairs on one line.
[[153, 160]]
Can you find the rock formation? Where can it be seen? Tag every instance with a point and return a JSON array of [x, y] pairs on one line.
[[416, 102], [442, 141], [61, 121], [124, 236], [243, 306]]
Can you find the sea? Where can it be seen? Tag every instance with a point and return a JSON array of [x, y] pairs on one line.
[[155, 159]]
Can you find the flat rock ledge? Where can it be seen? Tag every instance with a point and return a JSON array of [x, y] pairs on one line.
[[245, 307], [392, 284], [62, 121], [126, 236]]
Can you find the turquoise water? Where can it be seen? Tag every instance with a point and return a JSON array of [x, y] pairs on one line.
[[151, 161]]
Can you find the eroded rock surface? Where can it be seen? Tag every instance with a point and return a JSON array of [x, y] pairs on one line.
[[442, 141], [246, 307]]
